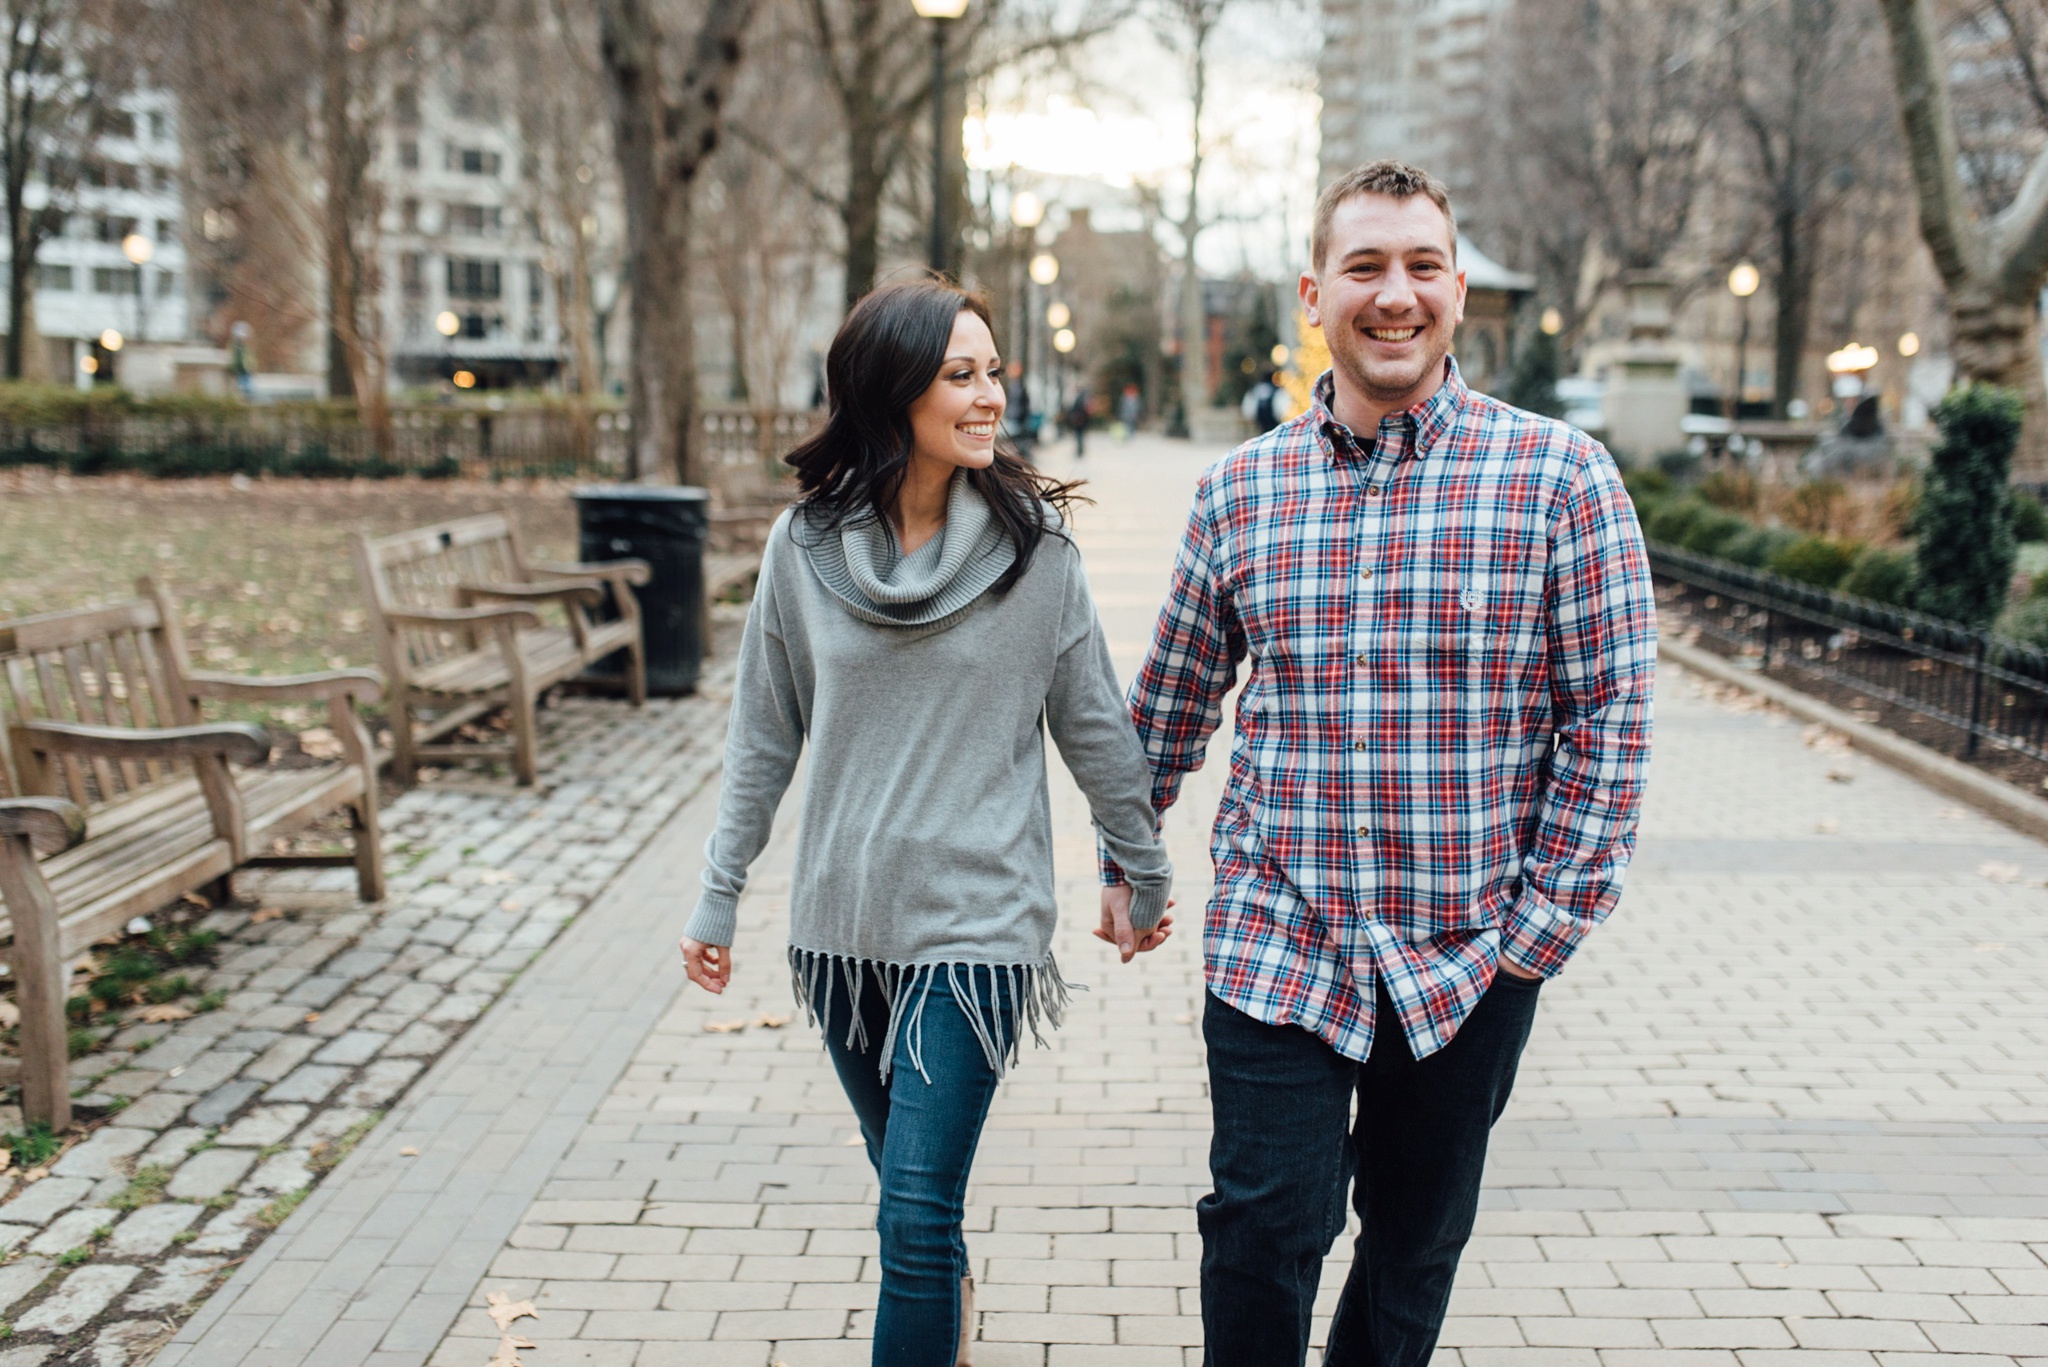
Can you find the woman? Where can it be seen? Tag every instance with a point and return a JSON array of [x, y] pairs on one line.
[[919, 611]]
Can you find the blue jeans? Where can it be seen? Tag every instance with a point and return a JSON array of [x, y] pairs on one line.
[[1285, 1148], [921, 1128]]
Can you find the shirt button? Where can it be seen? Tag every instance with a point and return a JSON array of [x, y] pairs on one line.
[[1358, 659], [1359, 745], [1365, 574], [1372, 491], [1364, 831]]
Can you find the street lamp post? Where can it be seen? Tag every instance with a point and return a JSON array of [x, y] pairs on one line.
[[1742, 283], [140, 251], [1027, 211], [1044, 269], [940, 12]]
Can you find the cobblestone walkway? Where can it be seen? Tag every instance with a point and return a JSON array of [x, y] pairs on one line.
[[1792, 1100], [225, 1121]]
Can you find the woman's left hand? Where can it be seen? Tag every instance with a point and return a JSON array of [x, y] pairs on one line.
[[1116, 924]]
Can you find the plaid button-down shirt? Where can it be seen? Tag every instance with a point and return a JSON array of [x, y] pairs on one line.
[[1441, 747]]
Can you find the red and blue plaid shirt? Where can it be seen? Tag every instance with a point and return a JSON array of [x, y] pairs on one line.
[[1441, 748]]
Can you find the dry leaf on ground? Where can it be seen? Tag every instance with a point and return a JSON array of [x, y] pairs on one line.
[[6, 1159], [772, 1022], [508, 1351], [724, 1027], [504, 1310], [164, 1014], [1998, 871], [408, 1152], [1840, 776], [321, 743], [1827, 825], [496, 876], [265, 914], [853, 1142]]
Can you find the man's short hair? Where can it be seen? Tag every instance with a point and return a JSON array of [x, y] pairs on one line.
[[1396, 179]]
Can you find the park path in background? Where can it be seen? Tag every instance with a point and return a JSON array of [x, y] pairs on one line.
[[1792, 1099]]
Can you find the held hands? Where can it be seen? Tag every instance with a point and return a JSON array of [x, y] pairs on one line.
[[1116, 924], [709, 966]]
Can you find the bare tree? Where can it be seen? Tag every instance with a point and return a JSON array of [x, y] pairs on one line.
[[664, 132], [67, 63], [1186, 26], [1994, 264], [1806, 82]]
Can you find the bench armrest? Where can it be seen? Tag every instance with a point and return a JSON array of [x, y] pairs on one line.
[[363, 685], [636, 572], [231, 740], [569, 591], [461, 617], [51, 824]]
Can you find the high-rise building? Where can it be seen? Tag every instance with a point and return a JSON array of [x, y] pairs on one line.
[[1399, 78]]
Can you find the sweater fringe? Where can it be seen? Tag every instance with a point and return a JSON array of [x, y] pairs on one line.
[[1020, 997]]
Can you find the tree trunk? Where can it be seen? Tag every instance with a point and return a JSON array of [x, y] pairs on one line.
[[861, 213], [1194, 346], [341, 293], [19, 280], [1792, 294], [1997, 339]]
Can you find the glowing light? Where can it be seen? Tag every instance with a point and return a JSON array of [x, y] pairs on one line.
[[1059, 315], [446, 323], [1027, 210], [465, 380], [1280, 354], [1909, 344], [1068, 139], [1552, 323], [89, 364], [111, 340], [1852, 359], [1743, 280], [138, 248], [1063, 341], [1045, 268], [939, 9]]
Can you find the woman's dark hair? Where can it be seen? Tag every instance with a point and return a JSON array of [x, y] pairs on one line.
[[886, 355]]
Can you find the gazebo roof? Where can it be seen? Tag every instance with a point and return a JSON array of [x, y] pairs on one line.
[[1482, 272]]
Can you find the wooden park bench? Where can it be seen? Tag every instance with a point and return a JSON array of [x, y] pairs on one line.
[[110, 773], [455, 609]]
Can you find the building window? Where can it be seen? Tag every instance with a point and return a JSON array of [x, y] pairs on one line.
[[167, 230], [162, 179], [472, 161], [474, 220], [408, 154], [110, 175], [114, 280], [536, 285], [159, 127], [53, 277], [409, 215], [472, 279], [114, 123], [405, 107], [112, 227], [166, 284], [412, 272], [481, 325]]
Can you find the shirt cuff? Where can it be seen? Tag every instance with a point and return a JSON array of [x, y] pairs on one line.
[[713, 921], [1539, 936]]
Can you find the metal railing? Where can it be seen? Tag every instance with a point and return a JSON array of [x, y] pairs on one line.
[[1991, 689]]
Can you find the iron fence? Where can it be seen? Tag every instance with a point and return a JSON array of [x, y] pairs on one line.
[[1991, 689]]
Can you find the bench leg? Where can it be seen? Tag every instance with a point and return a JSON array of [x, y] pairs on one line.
[[636, 672], [369, 846], [525, 732], [404, 764], [41, 984]]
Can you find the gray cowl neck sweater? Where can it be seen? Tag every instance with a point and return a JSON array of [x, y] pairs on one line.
[[925, 843]]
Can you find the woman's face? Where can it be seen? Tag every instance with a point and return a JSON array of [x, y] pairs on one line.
[[954, 421]]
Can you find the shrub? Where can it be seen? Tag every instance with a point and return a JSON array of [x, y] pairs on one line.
[[1965, 524], [1735, 490], [1817, 560], [1758, 546], [1815, 506], [1882, 576], [2029, 518], [1671, 522], [2026, 621], [1713, 530], [1898, 506]]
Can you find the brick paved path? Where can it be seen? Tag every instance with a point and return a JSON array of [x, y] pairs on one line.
[[1792, 1099]]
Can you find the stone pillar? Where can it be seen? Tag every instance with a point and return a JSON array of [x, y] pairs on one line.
[[1645, 396]]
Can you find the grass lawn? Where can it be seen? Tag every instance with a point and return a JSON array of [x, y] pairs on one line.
[[261, 568]]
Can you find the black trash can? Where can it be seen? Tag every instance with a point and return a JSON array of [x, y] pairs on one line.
[[666, 526]]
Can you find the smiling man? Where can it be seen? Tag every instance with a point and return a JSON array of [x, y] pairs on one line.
[[1439, 757]]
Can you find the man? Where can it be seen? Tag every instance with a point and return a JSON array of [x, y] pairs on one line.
[[1439, 757]]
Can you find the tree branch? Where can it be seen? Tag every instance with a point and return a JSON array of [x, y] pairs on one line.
[[797, 175], [1929, 121]]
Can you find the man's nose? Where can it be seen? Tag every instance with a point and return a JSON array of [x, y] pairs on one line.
[[1396, 292]]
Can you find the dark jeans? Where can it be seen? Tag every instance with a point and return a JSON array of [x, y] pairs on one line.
[[921, 1128], [1281, 1158]]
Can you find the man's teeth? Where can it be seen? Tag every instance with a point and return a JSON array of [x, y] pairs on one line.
[[1391, 334]]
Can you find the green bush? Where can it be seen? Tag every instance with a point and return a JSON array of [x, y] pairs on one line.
[[1713, 530], [1758, 546], [1817, 560], [2026, 621], [1966, 547], [1672, 520], [1882, 576], [2029, 518]]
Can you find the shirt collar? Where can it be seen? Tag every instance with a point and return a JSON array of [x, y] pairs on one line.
[[1426, 420]]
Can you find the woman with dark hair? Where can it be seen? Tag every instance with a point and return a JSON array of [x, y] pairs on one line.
[[920, 615]]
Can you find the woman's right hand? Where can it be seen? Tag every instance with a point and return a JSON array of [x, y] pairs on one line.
[[709, 966]]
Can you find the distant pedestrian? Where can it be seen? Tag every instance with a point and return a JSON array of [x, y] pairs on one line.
[[240, 367], [1077, 422], [1440, 756], [1130, 406], [920, 613], [1264, 404]]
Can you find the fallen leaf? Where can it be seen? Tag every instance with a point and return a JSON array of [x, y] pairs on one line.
[[164, 1014], [1999, 872], [507, 1354], [35, 1174], [265, 914], [6, 1159], [1840, 776], [312, 1016], [1951, 814], [772, 1022], [195, 899], [496, 876], [508, 905], [1827, 825], [853, 1142], [504, 1310], [408, 1152], [1184, 1019], [1990, 947], [724, 1027]]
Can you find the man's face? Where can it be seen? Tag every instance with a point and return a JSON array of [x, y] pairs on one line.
[[1387, 295]]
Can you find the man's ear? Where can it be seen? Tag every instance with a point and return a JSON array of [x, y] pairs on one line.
[[1311, 298], [1461, 297]]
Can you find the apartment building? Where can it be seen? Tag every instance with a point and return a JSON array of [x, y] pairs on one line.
[[1398, 78]]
